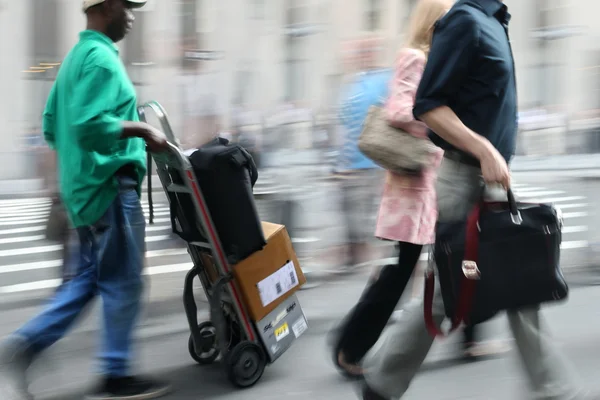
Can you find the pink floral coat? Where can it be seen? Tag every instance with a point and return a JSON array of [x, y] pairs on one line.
[[408, 210]]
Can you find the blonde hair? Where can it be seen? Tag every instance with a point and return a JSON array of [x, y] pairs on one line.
[[424, 16]]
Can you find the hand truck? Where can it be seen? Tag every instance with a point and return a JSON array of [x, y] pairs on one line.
[[230, 333]]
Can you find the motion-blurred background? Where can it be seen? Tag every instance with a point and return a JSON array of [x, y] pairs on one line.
[[271, 73]]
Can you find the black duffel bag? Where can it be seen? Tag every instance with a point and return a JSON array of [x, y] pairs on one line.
[[226, 174], [506, 256]]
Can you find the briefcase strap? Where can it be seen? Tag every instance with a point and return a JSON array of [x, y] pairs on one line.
[[468, 282]]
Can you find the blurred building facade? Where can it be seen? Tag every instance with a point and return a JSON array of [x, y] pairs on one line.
[[209, 61]]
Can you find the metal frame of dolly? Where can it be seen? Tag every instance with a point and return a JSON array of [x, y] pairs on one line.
[[230, 332]]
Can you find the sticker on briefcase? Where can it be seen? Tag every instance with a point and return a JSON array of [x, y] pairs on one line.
[[277, 284]]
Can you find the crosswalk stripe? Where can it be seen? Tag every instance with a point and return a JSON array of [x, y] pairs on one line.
[[39, 228], [54, 283], [44, 220], [57, 263], [27, 229], [37, 238], [581, 214], [58, 247], [555, 199], [574, 205], [575, 244], [46, 210], [22, 239], [47, 200], [528, 189], [30, 250], [539, 193], [574, 229]]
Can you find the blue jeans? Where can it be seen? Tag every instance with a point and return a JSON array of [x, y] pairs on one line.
[[111, 261]]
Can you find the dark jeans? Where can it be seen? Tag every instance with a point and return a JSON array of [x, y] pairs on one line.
[[110, 264], [366, 321]]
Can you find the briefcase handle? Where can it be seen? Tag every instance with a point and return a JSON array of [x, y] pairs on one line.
[[471, 273]]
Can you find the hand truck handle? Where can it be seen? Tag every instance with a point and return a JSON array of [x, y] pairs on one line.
[[161, 114]]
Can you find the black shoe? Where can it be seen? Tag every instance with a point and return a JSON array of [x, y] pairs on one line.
[[129, 388], [14, 362], [370, 394]]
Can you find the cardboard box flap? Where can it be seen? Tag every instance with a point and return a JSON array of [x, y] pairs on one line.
[[270, 229]]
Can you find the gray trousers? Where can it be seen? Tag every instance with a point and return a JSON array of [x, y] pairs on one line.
[[394, 361]]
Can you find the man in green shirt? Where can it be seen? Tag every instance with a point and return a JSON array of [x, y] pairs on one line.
[[91, 121]]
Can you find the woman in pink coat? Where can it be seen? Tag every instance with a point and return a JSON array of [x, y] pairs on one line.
[[408, 210]]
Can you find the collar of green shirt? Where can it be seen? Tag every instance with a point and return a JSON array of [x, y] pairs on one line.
[[100, 37]]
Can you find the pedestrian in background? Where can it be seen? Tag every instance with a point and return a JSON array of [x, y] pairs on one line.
[[360, 177]]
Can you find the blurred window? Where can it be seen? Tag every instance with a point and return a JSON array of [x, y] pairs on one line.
[[45, 47], [44, 57], [189, 38], [257, 9], [374, 15], [296, 63]]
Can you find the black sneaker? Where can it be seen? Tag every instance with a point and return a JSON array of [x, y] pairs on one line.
[[14, 362], [129, 388]]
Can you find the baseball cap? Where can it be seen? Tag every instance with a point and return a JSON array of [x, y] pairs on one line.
[[132, 3]]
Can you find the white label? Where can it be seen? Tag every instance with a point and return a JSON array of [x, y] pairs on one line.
[[277, 284], [299, 327]]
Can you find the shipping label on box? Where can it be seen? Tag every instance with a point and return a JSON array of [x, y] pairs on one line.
[[277, 284]]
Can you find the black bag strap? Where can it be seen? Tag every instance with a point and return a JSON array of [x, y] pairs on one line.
[[150, 202], [243, 158], [184, 231]]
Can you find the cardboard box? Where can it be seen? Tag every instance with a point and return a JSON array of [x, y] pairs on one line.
[[270, 276]]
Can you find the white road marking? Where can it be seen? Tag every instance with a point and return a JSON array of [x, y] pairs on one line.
[[46, 211], [556, 199], [53, 283], [44, 220], [581, 214], [36, 238], [57, 263], [575, 229], [28, 229], [539, 193], [39, 228], [574, 205]]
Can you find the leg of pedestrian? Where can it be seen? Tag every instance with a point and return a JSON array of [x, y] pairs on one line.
[[549, 373], [21, 349], [121, 260], [395, 360]]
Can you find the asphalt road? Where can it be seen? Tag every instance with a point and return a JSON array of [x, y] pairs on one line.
[[305, 372], [28, 272]]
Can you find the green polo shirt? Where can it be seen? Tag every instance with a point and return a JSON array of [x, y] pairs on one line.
[[91, 97]]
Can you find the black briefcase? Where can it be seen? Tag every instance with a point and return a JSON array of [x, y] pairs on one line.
[[226, 174], [505, 256]]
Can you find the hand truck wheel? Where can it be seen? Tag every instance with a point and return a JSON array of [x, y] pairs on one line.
[[209, 350], [245, 364]]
